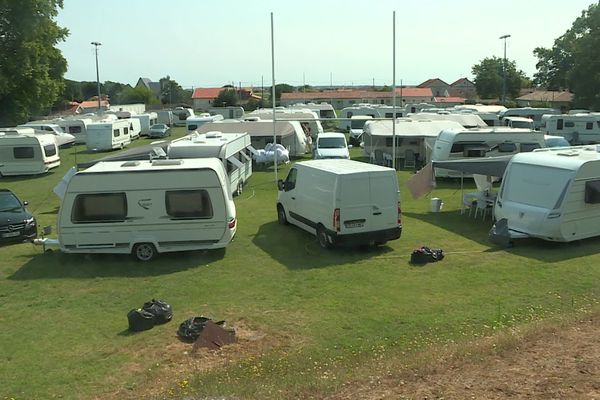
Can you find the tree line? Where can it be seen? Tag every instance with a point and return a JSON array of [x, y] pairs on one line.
[[32, 68]]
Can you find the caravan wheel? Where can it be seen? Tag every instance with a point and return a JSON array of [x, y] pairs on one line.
[[240, 189], [144, 251]]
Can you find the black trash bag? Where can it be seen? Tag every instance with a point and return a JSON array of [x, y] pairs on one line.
[[163, 312], [140, 320], [424, 255], [190, 329]]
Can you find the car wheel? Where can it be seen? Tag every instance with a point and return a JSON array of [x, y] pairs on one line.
[[323, 237], [281, 217], [144, 251]]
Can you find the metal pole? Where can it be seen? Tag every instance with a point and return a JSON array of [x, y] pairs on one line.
[[394, 90], [96, 44], [273, 96], [504, 70]]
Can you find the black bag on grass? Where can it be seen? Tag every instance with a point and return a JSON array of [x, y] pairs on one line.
[[190, 329], [140, 320], [162, 312], [424, 254]]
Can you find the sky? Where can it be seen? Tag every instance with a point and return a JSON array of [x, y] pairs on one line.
[[202, 43]]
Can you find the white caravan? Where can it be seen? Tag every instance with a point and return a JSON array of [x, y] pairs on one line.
[[490, 114], [135, 127], [414, 139], [347, 113], [452, 144], [552, 194], [233, 149], [146, 121], [309, 120], [194, 122], [518, 122], [331, 145], [62, 138], [323, 110], [342, 202], [164, 117], [467, 120], [535, 113], [76, 127], [146, 207], [576, 128], [180, 115], [108, 135], [287, 133], [229, 112], [26, 154], [357, 123]]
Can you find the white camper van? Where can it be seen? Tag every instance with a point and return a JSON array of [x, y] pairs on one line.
[[454, 144], [108, 135], [164, 117], [62, 138], [552, 194], [233, 149], [194, 122], [331, 145], [27, 154], [146, 121], [342, 202], [146, 207], [135, 127], [576, 128]]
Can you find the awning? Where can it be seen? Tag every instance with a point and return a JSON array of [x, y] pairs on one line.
[[138, 153], [491, 166]]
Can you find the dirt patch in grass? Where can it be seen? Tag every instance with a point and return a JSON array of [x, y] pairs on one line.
[[552, 362]]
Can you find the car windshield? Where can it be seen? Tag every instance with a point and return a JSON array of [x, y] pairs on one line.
[[331, 143], [9, 202]]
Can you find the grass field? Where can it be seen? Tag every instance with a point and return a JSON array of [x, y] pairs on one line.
[[311, 319]]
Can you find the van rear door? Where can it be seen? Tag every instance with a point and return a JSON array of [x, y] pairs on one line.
[[384, 200]]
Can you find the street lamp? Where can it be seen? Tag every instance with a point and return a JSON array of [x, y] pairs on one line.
[[504, 70], [96, 44]]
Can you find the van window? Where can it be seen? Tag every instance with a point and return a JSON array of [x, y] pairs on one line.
[[188, 204], [99, 207], [592, 192], [74, 129], [50, 150], [116, 133], [290, 181], [23, 152]]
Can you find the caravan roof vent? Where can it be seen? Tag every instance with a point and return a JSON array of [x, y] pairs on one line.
[[130, 164], [568, 153], [166, 162], [213, 134]]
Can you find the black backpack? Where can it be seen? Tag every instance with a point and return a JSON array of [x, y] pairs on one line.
[[161, 311], [140, 320]]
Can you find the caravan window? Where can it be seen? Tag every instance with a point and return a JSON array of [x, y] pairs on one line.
[[559, 124], [50, 150], [188, 204], [507, 147], [116, 133], [589, 125], [23, 152], [74, 129], [460, 147], [99, 207], [592, 192], [126, 131], [569, 124]]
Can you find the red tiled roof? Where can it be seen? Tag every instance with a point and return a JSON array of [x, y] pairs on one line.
[[460, 81], [431, 81], [414, 92], [547, 95], [93, 103], [356, 94], [449, 99], [206, 93]]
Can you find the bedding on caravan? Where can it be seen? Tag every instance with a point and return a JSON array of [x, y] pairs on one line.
[[576, 128], [414, 138], [535, 113], [233, 149], [146, 121], [551, 194], [76, 127], [287, 133], [164, 117], [194, 122], [62, 137], [145, 208], [28, 154], [180, 115], [108, 135], [452, 144]]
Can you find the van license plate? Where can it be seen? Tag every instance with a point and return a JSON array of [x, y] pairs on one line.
[[354, 224], [11, 234]]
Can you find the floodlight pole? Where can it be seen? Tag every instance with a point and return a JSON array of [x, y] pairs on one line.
[[504, 37], [96, 44], [393, 90], [273, 96]]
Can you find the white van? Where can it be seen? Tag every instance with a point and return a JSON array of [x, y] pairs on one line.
[[331, 145], [108, 135], [233, 149], [342, 202], [62, 139], [164, 117], [146, 207], [552, 194], [26, 154], [146, 121]]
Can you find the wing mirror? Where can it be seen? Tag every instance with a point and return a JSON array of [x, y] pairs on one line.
[[280, 185]]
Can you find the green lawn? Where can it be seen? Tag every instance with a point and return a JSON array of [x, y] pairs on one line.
[[325, 314]]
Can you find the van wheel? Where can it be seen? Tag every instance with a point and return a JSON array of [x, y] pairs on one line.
[[322, 237], [281, 217], [144, 251]]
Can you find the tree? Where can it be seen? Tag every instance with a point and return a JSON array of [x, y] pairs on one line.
[[281, 88], [489, 77], [227, 97], [171, 92], [31, 67], [138, 95]]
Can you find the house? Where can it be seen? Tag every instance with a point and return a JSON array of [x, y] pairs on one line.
[[342, 98], [154, 87], [556, 99], [92, 106], [463, 88], [438, 87], [203, 98]]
